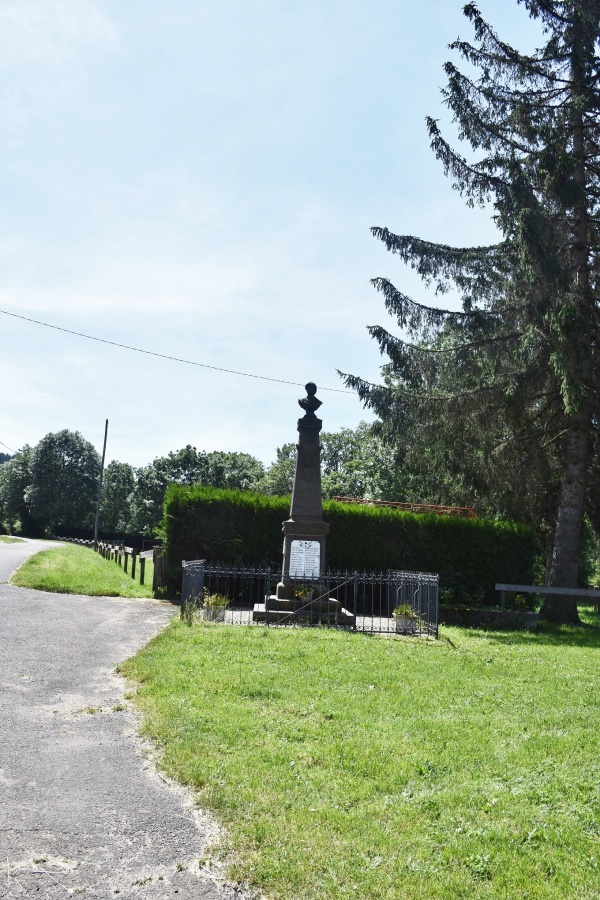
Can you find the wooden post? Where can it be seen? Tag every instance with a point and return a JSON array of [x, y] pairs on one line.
[[160, 569], [133, 558], [142, 568], [155, 572]]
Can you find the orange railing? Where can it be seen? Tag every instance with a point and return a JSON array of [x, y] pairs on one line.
[[465, 512]]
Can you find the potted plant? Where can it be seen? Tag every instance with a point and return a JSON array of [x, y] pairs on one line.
[[214, 606], [405, 618]]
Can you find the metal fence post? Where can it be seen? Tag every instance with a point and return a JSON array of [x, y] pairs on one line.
[[355, 598], [268, 595], [192, 584]]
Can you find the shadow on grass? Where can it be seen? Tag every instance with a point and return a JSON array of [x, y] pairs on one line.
[[585, 635]]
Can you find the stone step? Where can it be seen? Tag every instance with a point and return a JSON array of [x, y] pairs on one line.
[[331, 616], [326, 604]]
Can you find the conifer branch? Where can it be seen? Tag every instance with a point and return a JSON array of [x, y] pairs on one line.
[[388, 340], [420, 318], [370, 392], [467, 176], [550, 10]]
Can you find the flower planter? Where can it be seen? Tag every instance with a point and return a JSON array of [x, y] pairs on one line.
[[405, 624], [214, 613]]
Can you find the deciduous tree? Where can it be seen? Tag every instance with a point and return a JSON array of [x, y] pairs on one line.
[[354, 463], [238, 471], [64, 482], [118, 484], [15, 480]]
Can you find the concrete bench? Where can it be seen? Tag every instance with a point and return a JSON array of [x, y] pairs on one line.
[[589, 593]]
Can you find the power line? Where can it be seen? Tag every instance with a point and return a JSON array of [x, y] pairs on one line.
[[7, 447], [188, 362]]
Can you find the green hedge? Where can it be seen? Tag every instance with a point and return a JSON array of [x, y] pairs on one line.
[[470, 555]]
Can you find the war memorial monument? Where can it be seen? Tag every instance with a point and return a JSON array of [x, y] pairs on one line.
[[302, 592]]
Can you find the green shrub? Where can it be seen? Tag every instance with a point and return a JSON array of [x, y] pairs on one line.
[[470, 555], [215, 601], [405, 609]]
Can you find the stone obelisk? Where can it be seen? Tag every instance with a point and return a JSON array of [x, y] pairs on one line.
[[305, 532]]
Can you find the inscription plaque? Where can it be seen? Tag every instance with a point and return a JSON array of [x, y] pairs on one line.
[[305, 559]]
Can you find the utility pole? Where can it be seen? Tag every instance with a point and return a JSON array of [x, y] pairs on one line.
[[97, 522]]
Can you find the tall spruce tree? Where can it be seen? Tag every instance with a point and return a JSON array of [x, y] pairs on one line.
[[513, 375]]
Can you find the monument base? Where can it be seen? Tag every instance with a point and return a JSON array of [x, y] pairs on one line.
[[302, 611], [300, 603]]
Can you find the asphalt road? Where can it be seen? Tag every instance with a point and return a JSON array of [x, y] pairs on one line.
[[83, 811]]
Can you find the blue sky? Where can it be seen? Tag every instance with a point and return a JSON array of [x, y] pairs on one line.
[[199, 179]]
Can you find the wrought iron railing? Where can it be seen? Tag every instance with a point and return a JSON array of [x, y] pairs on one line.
[[361, 601]]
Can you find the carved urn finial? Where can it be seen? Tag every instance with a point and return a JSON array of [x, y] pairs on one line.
[[310, 403]]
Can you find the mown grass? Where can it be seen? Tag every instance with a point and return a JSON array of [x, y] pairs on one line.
[[345, 765], [6, 539], [72, 569]]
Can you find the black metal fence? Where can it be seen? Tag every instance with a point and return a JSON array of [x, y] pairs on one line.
[[382, 602]]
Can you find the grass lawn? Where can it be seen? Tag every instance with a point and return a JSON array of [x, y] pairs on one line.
[[6, 539], [73, 569], [346, 765]]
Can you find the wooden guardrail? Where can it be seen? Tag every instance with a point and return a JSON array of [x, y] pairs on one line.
[[122, 555]]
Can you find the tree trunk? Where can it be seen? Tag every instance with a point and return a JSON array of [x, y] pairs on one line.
[[571, 505], [569, 522]]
